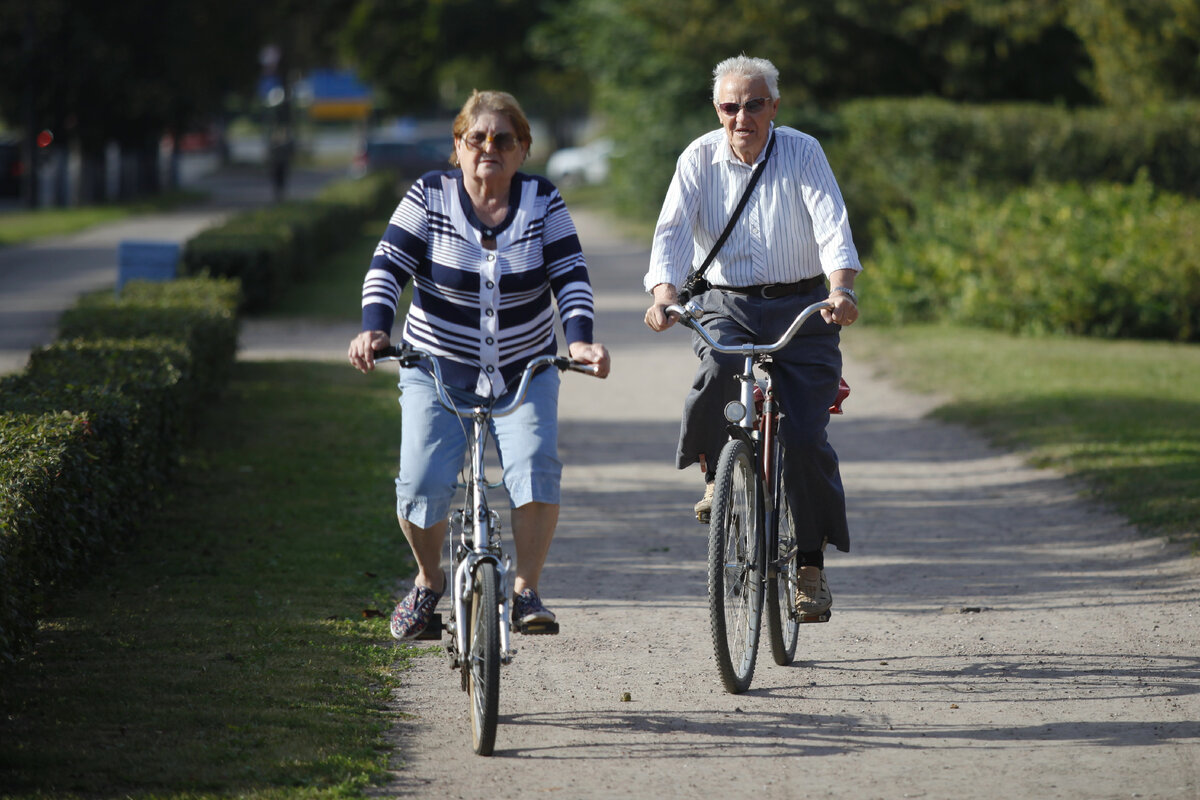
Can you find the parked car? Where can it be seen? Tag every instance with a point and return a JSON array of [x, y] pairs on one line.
[[407, 157], [574, 166]]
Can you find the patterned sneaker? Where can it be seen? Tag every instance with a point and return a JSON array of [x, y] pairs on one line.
[[527, 608], [813, 597], [704, 507], [414, 612]]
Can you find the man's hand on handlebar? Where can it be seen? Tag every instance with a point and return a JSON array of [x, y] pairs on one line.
[[591, 353], [657, 318], [843, 313], [363, 347]]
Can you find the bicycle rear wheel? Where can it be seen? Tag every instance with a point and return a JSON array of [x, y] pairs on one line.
[[783, 621], [483, 657], [735, 586]]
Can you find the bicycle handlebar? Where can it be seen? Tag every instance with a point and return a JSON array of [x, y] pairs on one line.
[[690, 316], [408, 356]]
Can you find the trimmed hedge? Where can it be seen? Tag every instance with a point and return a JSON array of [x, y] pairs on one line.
[[1110, 260], [927, 142], [888, 152], [94, 427], [270, 248], [51, 519]]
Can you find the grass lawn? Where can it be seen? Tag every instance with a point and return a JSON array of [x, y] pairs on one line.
[[1122, 415], [18, 227], [234, 649]]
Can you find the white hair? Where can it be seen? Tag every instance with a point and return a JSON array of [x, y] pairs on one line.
[[747, 67]]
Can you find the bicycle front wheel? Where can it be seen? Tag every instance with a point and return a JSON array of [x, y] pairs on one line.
[[735, 586], [783, 621], [483, 659]]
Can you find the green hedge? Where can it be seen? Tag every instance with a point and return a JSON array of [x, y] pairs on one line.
[[1108, 260], [199, 312], [928, 142], [93, 428], [888, 152], [268, 249], [51, 519]]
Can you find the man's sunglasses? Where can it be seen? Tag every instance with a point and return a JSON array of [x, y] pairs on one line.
[[752, 106], [503, 142]]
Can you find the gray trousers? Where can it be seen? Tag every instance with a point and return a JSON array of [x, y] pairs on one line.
[[806, 374]]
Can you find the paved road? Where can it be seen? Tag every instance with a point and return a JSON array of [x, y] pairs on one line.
[[39, 281]]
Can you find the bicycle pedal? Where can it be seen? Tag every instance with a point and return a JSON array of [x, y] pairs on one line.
[[703, 517], [537, 628], [433, 630], [807, 618]]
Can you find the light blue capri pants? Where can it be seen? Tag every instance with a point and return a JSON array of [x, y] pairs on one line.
[[434, 445]]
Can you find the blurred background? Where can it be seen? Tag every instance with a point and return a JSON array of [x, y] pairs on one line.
[[1056, 110]]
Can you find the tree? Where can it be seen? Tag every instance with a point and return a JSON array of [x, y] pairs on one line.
[[1144, 51]]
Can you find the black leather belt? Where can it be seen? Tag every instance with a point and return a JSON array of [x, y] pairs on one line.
[[770, 290]]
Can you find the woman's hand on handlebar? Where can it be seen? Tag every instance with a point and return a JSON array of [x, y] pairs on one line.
[[657, 318], [363, 347], [591, 353]]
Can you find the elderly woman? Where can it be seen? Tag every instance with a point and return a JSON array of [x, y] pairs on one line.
[[486, 247]]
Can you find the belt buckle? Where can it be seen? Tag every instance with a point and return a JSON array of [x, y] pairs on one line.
[[767, 291]]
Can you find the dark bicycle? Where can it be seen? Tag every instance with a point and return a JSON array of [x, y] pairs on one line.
[[752, 550]]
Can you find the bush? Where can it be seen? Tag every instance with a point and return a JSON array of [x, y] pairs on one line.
[[198, 312], [270, 248], [888, 153], [1109, 260], [93, 428], [51, 515]]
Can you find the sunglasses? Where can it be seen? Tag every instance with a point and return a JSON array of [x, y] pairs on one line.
[[503, 142], [752, 106]]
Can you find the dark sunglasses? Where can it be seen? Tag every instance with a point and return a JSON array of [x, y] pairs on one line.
[[752, 106], [503, 142]]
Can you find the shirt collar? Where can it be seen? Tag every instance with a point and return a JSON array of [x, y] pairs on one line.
[[725, 154]]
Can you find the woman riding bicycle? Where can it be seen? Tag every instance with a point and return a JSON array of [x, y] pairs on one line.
[[487, 248]]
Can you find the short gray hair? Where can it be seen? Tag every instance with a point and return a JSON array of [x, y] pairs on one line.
[[747, 67]]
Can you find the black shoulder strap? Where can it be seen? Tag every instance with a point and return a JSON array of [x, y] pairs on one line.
[[737, 212]]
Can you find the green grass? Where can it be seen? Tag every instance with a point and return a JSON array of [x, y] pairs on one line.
[[1123, 416], [227, 652], [19, 227]]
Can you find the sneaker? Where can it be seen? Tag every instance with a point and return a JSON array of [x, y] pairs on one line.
[[413, 613], [704, 507], [527, 608], [813, 597]]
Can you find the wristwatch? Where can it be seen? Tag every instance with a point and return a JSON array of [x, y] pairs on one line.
[[846, 290]]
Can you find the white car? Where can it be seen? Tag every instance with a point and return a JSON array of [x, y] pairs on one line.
[[574, 166]]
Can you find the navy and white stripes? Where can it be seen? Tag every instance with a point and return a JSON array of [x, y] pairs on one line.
[[485, 313], [794, 227]]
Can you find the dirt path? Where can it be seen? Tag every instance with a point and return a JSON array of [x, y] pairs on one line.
[[993, 635]]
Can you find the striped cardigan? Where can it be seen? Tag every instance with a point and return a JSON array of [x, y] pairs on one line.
[[484, 313]]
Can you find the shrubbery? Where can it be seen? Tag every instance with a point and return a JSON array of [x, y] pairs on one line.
[[92, 429], [1025, 217], [1108, 260], [270, 248]]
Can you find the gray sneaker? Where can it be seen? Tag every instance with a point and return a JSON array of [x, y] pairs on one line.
[[813, 598]]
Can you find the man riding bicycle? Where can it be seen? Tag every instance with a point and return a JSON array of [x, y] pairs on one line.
[[792, 234]]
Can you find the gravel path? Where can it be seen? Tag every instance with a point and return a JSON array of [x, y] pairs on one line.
[[993, 636]]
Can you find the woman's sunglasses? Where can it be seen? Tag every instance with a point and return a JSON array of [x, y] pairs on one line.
[[752, 106], [503, 142]]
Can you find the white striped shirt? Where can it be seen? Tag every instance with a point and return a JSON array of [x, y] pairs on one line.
[[484, 313], [794, 226]]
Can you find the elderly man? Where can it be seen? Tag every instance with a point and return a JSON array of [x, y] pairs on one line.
[[791, 236]]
